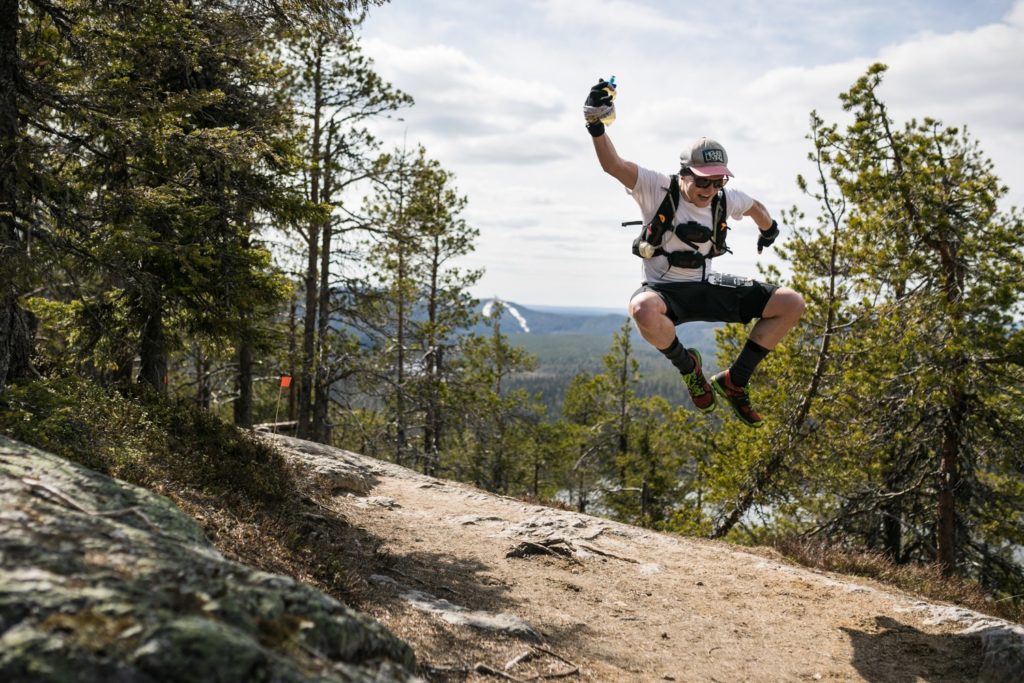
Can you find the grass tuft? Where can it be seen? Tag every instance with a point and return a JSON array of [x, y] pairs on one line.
[[924, 580]]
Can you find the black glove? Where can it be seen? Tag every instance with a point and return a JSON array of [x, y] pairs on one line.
[[767, 237], [600, 94], [598, 105]]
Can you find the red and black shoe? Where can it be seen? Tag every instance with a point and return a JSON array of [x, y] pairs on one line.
[[700, 391], [738, 398]]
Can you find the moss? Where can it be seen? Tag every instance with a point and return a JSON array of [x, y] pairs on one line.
[[141, 597], [194, 648]]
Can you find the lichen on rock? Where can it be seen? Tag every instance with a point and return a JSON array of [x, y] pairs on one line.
[[102, 581]]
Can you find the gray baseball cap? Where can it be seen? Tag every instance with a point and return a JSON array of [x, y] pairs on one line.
[[706, 157]]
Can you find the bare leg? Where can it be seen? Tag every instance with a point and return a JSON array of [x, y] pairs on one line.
[[650, 314], [781, 313]]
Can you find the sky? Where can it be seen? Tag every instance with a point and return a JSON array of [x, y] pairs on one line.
[[499, 87]]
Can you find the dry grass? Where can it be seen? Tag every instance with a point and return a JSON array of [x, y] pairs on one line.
[[924, 580], [250, 502], [299, 537]]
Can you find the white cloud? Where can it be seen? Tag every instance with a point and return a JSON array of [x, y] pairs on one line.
[[499, 88], [1016, 14], [615, 16], [462, 105]]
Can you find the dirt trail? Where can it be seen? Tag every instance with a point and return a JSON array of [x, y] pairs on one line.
[[489, 588]]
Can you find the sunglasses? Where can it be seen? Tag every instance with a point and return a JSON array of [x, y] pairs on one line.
[[708, 182]]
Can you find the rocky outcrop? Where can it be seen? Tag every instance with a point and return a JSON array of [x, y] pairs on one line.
[[103, 581]]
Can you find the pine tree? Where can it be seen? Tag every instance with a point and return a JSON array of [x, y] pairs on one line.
[[339, 92], [443, 237], [912, 345], [637, 457], [159, 145], [137, 141], [493, 425], [417, 304]]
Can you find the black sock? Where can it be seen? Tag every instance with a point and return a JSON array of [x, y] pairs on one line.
[[679, 357], [743, 368]]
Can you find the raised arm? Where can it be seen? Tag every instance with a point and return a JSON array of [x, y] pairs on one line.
[[624, 171], [598, 108]]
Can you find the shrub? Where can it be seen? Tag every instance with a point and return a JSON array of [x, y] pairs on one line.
[[143, 439]]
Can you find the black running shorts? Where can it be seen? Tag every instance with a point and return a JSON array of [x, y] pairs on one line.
[[690, 301]]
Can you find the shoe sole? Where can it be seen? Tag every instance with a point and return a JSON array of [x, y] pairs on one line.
[[710, 408], [720, 390]]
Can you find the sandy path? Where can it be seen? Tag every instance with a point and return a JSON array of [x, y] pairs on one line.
[[625, 604]]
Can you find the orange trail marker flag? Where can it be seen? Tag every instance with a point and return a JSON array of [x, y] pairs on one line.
[[286, 381]]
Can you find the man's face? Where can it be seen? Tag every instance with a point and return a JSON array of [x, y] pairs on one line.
[[700, 190]]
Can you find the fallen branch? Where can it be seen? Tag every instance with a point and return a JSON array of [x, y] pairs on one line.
[[564, 674], [482, 668], [479, 668], [556, 547], [515, 661], [597, 551]]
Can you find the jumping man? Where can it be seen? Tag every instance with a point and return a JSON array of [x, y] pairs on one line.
[[679, 284]]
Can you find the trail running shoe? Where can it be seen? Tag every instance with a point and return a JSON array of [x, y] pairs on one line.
[[700, 391], [738, 398]]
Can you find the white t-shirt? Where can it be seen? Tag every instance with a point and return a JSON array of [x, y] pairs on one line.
[[649, 192]]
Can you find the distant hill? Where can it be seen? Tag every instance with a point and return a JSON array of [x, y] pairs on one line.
[[517, 319], [576, 341]]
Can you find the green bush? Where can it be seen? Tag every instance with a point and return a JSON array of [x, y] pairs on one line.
[[143, 439], [211, 454], [78, 420]]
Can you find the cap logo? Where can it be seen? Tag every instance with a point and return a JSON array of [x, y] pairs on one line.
[[713, 155]]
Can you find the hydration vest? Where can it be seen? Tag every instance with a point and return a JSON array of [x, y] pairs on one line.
[[652, 235]]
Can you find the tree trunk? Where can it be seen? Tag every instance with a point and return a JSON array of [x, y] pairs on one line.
[[321, 431], [292, 354], [434, 366], [153, 345], [16, 325], [305, 399], [204, 393], [306, 380], [17, 331], [401, 438], [892, 530], [953, 427], [9, 133], [623, 437], [121, 375], [7, 312], [949, 482], [321, 428], [243, 404], [433, 425]]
